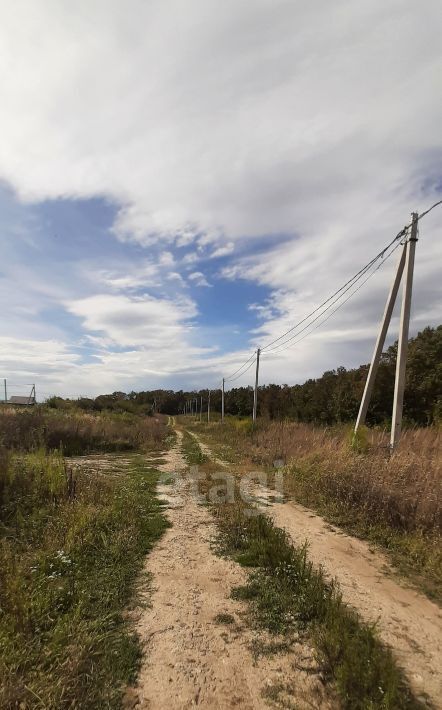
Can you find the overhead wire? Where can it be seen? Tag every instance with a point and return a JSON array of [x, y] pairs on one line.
[[232, 376], [243, 373], [288, 343], [436, 204], [332, 303], [337, 295], [343, 289]]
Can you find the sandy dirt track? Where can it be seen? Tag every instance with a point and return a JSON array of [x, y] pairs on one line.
[[190, 658], [407, 621]]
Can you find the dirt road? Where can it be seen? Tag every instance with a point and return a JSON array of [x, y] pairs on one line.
[[407, 621], [191, 659]]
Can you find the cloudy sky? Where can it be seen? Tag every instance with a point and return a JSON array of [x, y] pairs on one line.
[[182, 180]]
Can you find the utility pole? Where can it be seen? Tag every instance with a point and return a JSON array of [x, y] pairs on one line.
[[391, 300], [201, 408], [399, 384], [208, 407], [222, 402], [404, 271], [255, 393], [6, 391]]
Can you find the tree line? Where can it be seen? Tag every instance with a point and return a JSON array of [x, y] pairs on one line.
[[334, 397]]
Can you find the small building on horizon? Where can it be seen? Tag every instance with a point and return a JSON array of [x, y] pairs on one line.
[[21, 401]]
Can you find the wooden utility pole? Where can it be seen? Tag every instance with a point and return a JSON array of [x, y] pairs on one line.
[[401, 360], [208, 407], [6, 391], [222, 402], [391, 300], [255, 392]]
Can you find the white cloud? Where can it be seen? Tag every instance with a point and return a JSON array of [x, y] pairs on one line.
[[223, 251], [144, 321], [247, 118], [198, 279], [31, 353], [212, 124], [130, 277]]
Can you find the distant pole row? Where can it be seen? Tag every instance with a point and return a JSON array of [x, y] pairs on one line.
[[191, 407]]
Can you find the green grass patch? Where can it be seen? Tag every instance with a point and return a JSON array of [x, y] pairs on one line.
[[288, 594], [71, 548], [192, 450]]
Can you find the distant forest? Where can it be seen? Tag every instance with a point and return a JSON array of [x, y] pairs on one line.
[[329, 399]]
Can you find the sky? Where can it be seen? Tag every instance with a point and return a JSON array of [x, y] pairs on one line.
[[182, 181]]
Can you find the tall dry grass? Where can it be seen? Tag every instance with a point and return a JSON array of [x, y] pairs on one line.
[[78, 432], [403, 490]]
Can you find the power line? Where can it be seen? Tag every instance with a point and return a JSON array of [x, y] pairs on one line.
[[348, 285], [331, 301], [243, 373], [285, 346], [335, 300], [342, 289], [436, 204], [232, 376]]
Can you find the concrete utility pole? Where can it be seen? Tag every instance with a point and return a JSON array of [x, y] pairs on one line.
[[201, 408], [208, 407], [6, 391], [399, 384], [255, 393], [222, 402], [404, 269], [391, 300]]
